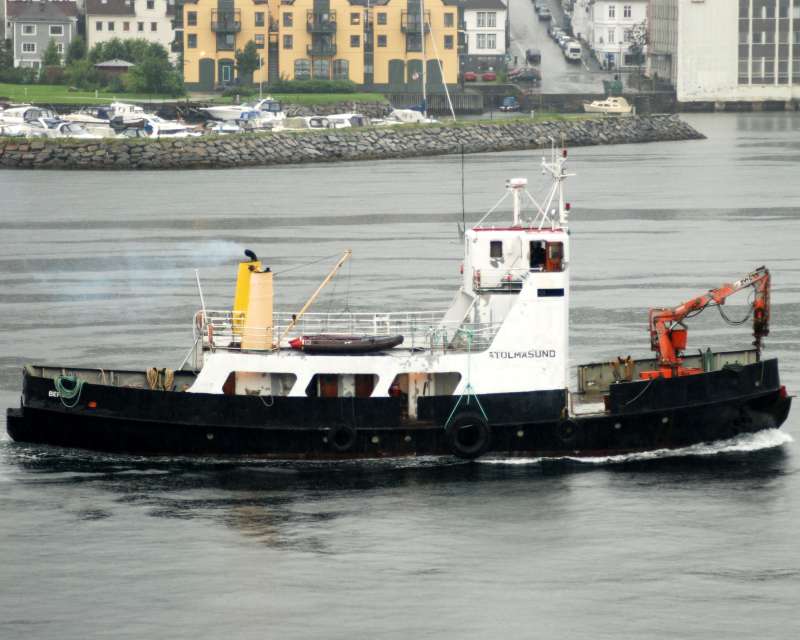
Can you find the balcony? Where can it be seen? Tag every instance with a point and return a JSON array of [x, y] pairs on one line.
[[412, 22], [324, 23], [226, 21], [321, 50]]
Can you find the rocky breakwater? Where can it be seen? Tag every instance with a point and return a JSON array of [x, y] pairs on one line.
[[370, 143]]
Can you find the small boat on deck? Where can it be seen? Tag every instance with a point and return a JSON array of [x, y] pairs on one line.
[[326, 343]]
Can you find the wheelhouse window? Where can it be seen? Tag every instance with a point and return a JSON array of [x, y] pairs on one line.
[[496, 249]]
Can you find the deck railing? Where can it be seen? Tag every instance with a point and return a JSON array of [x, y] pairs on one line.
[[421, 331]]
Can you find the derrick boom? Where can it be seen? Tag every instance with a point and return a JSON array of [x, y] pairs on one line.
[[668, 333]]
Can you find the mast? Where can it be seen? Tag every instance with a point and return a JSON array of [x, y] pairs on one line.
[[424, 93], [313, 297]]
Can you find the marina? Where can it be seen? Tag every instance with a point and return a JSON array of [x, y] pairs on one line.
[[699, 528]]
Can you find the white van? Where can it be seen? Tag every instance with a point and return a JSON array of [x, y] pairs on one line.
[[573, 51]]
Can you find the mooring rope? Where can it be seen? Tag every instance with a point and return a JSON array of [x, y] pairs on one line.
[[69, 390], [469, 391]]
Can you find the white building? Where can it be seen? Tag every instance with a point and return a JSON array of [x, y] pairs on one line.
[[611, 26], [149, 20], [485, 35], [724, 51]]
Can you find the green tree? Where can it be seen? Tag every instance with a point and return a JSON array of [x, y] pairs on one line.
[[6, 54], [155, 75], [51, 58], [114, 49], [638, 43], [76, 49], [247, 61], [136, 50]]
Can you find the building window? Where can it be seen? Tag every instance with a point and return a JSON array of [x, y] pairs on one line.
[[448, 20], [341, 70], [259, 18], [140, 26], [287, 19], [321, 70], [126, 26], [28, 47], [413, 42], [355, 18], [288, 41], [259, 40], [627, 35], [481, 18], [355, 41], [448, 42], [98, 26], [56, 29], [151, 4], [191, 41], [612, 36], [30, 29], [110, 26], [626, 11], [612, 11], [153, 26], [481, 41], [191, 18], [60, 48], [487, 19], [491, 41], [381, 41], [302, 69], [381, 17]]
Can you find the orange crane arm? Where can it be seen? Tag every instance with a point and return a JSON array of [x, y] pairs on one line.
[[668, 333]]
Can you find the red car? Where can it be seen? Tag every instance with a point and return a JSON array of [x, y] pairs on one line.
[[489, 76], [470, 76]]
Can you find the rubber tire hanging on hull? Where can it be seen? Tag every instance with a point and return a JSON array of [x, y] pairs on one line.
[[468, 435], [342, 438]]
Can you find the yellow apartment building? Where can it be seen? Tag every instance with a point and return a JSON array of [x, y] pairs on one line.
[[378, 44]]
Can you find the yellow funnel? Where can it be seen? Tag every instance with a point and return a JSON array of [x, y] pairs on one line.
[[257, 329], [243, 293]]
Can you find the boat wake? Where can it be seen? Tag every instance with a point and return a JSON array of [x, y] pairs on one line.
[[744, 443]]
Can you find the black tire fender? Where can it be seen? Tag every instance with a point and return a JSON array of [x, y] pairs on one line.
[[468, 435], [342, 438], [569, 433]]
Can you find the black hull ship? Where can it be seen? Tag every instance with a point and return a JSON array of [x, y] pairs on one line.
[[487, 376]]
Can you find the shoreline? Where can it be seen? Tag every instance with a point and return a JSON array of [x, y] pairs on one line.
[[337, 145]]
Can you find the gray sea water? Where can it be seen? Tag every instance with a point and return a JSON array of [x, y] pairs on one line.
[[98, 269]]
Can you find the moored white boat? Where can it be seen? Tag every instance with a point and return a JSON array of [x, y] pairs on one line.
[[614, 105], [266, 108]]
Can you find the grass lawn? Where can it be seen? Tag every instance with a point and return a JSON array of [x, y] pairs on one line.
[[59, 94], [301, 98]]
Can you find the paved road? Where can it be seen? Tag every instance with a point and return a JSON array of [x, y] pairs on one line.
[[558, 75]]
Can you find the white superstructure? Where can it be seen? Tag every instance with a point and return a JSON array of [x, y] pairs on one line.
[[505, 331]]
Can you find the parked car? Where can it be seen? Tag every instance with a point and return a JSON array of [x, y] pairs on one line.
[[510, 103], [470, 76], [533, 56], [573, 51], [538, 5], [553, 30], [544, 14], [489, 76], [525, 74]]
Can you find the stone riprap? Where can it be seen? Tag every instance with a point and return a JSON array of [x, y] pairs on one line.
[[335, 145]]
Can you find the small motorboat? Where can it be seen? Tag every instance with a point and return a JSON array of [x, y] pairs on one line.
[[344, 344], [615, 105]]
